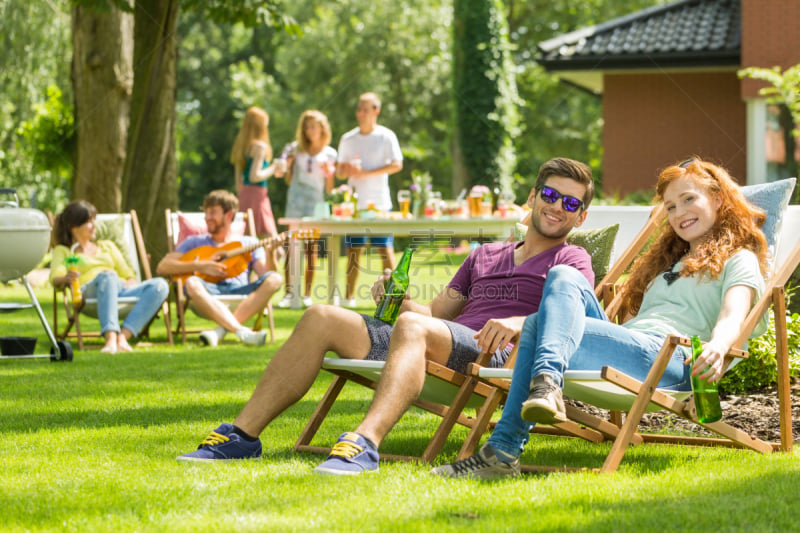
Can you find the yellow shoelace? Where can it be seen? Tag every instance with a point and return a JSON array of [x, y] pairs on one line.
[[345, 449], [213, 439]]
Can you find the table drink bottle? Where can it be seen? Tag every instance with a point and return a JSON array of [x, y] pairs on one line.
[[394, 290], [706, 396], [77, 296]]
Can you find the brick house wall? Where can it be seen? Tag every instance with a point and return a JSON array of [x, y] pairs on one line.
[[770, 36], [655, 119]]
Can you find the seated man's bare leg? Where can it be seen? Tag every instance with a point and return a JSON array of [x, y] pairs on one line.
[[415, 339], [257, 300], [209, 307], [295, 366]]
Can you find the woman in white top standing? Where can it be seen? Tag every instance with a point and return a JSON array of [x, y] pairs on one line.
[[310, 163]]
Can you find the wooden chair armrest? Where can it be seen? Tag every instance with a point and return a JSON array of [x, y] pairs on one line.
[[473, 369]]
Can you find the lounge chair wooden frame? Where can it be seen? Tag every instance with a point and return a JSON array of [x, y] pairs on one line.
[[139, 256], [182, 304], [441, 385]]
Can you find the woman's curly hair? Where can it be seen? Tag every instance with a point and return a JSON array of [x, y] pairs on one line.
[[737, 227]]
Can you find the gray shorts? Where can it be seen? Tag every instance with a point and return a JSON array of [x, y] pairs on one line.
[[465, 347]]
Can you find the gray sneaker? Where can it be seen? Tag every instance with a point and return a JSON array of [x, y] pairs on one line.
[[545, 404], [482, 465]]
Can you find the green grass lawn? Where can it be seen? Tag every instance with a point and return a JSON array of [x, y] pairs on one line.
[[91, 445]]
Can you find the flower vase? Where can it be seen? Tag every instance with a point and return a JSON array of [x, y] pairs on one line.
[[417, 208]]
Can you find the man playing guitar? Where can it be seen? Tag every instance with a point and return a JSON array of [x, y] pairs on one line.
[[220, 207]]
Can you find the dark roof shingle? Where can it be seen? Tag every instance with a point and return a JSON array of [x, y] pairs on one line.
[[686, 33]]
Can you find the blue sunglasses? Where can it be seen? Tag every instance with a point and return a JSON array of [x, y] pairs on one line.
[[568, 203]]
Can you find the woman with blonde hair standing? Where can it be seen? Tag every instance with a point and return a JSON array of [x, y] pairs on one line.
[[251, 157], [309, 168]]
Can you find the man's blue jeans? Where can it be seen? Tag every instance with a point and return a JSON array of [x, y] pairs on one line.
[[570, 330], [107, 288]]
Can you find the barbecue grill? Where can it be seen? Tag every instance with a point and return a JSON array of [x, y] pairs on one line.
[[24, 240]]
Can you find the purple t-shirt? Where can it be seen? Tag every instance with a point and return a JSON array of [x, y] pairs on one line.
[[194, 241], [496, 288]]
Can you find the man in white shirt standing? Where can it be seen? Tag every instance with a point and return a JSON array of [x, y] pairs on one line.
[[367, 155]]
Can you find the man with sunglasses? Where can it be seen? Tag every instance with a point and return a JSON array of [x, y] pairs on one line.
[[481, 310]]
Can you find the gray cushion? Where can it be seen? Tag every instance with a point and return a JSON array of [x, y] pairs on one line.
[[772, 198]]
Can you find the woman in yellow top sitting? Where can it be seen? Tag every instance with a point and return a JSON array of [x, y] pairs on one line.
[[104, 274]]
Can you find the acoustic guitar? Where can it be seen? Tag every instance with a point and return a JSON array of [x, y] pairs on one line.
[[235, 256]]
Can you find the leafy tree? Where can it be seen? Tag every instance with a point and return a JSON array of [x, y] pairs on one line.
[[784, 88], [35, 137], [48, 141], [485, 94]]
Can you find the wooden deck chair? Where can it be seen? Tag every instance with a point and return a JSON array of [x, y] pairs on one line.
[[182, 225], [446, 392], [611, 389], [124, 231]]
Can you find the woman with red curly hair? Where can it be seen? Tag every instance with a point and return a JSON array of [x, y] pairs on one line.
[[701, 277]]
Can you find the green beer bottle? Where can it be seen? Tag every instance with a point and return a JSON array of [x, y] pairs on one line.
[[394, 290], [706, 396]]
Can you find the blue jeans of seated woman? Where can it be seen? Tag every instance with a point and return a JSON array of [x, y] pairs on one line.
[[108, 288], [571, 331]]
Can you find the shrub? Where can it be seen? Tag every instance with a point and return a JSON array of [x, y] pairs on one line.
[[485, 92], [760, 369]]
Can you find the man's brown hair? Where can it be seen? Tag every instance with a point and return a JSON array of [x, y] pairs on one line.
[[225, 199], [567, 168]]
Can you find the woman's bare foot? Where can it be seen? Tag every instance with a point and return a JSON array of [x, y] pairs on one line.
[[112, 339], [109, 348], [122, 344]]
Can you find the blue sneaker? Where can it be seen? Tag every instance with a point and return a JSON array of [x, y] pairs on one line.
[[350, 456], [223, 445]]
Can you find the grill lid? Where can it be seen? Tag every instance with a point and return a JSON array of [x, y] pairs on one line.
[[15, 218]]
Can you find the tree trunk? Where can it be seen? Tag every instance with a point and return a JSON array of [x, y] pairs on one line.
[[102, 77], [461, 176], [149, 182]]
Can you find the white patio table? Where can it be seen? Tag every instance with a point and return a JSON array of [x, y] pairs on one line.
[[421, 230]]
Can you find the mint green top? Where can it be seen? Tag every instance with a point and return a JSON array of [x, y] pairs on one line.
[[691, 306]]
